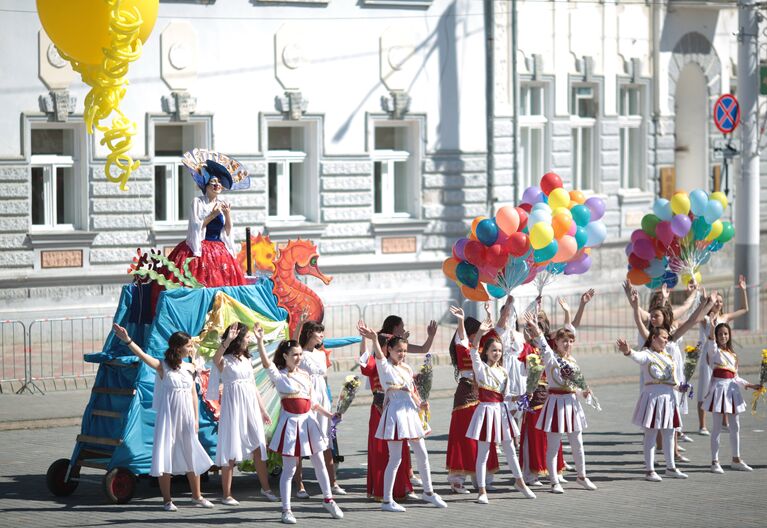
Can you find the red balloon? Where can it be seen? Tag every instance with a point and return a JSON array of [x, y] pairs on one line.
[[488, 274], [523, 216], [660, 248], [475, 252], [495, 256], [638, 262], [549, 182], [517, 245]]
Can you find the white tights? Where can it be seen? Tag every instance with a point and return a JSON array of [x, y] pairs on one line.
[[552, 450], [289, 464], [667, 438], [716, 430], [483, 452], [395, 457]]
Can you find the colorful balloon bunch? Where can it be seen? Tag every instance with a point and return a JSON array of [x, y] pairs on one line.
[[677, 238], [551, 231]]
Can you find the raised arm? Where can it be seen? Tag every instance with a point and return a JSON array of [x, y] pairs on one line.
[[566, 309], [431, 331], [259, 333], [505, 316], [634, 302], [682, 309], [151, 361], [638, 357], [696, 317], [643, 314], [218, 357], [585, 299], [547, 355], [301, 320], [743, 311], [458, 313], [367, 333]]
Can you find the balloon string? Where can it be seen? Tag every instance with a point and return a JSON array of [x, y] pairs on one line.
[[108, 86]]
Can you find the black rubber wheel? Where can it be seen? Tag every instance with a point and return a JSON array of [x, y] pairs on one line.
[[276, 471], [119, 485], [57, 472]]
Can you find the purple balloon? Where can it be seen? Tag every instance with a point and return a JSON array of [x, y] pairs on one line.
[[664, 233], [680, 225], [532, 195], [629, 248], [597, 207], [579, 266], [644, 249], [639, 235], [458, 248]]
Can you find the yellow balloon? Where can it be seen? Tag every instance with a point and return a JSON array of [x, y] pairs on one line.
[[686, 278], [562, 210], [716, 230], [541, 235], [680, 203], [559, 198], [719, 197], [80, 28]]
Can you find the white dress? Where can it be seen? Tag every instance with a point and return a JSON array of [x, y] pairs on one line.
[[704, 367], [491, 421], [195, 230], [657, 406], [723, 392], [399, 418], [176, 449], [513, 345], [313, 362], [297, 432], [562, 412], [240, 427]]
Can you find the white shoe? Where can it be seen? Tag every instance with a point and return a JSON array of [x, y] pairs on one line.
[[412, 496], [586, 483], [288, 518], [653, 477], [416, 481], [301, 494], [333, 509], [458, 489], [525, 491], [230, 501], [169, 506], [568, 467], [392, 507], [716, 468], [435, 499], [561, 479], [685, 438], [681, 449], [740, 466], [703, 432], [338, 490], [271, 497], [482, 499], [682, 458], [675, 473], [535, 483], [202, 502], [557, 488]]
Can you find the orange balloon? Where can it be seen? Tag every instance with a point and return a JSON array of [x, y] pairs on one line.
[[472, 236], [474, 225], [566, 249], [561, 224], [507, 219], [478, 294], [637, 277], [577, 196], [448, 268]]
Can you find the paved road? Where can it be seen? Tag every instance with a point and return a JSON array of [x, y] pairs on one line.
[[613, 455]]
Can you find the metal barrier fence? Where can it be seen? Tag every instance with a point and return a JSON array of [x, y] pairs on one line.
[[13, 353]]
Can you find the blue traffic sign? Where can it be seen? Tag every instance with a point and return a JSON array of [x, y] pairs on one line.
[[726, 113]]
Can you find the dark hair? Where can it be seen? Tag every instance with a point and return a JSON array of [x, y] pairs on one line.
[[657, 301], [390, 323], [728, 345], [282, 349], [471, 327], [668, 316], [544, 324], [486, 345], [307, 330], [176, 342], [564, 333], [387, 340], [239, 345], [655, 331]]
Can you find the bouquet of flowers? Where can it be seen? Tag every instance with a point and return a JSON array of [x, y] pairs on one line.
[[345, 399], [762, 390], [573, 377], [534, 373], [422, 382], [691, 356]]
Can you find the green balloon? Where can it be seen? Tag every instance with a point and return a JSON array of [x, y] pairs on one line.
[[546, 253], [581, 215], [701, 228], [649, 221], [728, 231]]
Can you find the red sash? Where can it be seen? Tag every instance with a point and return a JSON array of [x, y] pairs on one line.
[[489, 396], [296, 405], [723, 373]]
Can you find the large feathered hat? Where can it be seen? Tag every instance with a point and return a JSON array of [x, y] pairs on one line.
[[205, 164]]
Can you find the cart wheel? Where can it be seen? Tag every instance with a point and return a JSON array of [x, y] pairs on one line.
[[276, 471], [57, 472], [119, 485]]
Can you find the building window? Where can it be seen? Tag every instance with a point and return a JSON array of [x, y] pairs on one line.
[[631, 128], [393, 171], [584, 110], [56, 182], [532, 134], [174, 187], [290, 196]]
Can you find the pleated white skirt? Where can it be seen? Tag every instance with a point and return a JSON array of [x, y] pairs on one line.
[[400, 419], [562, 413], [657, 408], [492, 422], [724, 397], [298, 435]]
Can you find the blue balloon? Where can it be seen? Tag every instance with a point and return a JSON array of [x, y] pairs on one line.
[[713, 211], [656, 268], [546, 253], [487, 231], [556, 268], [596, 232], [698, 202], [715, 246], [467, 274], [581, 237], [662, 209], [701, 228], [541, 206], [671, 281], [496, 291], [539, 215], [705, 258]]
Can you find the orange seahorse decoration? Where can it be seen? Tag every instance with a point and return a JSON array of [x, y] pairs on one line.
[[298, 257]]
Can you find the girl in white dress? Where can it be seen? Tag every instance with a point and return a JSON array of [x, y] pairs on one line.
[[723, 397], [716, 317], [243, 415], [176, 450], [492, 422], [399, 418], [657, 410], [298, 433], [562, 412]]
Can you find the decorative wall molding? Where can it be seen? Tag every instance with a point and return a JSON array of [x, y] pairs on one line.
[[58, 104], [396, 104], [179, 104], [292, 104]]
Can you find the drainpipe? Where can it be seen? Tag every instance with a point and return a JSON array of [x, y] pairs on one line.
[[656, 92], [490, 101], [514, 98]]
